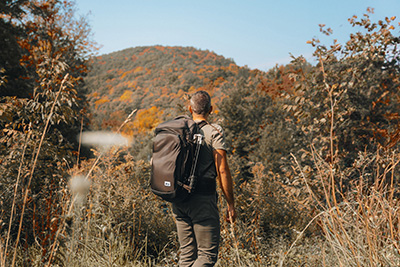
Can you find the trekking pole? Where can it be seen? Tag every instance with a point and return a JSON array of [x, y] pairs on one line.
[[192, 180]]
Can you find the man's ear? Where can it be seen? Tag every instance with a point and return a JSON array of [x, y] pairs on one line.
[[211, 109]]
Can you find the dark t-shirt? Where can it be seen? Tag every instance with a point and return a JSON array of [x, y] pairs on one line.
[[214, 138]]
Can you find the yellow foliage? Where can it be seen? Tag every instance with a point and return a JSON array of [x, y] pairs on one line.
[[128, 130], [138, 69], [219, 81], [101, 101], [126, 96], [147, 119], [192, 89], [124, 74]]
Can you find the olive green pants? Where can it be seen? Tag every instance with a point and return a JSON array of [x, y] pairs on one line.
[[197, 222]]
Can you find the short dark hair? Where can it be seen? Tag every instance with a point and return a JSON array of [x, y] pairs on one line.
[[201, 103]]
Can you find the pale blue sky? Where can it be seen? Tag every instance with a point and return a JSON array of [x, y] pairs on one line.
[[256, 33]]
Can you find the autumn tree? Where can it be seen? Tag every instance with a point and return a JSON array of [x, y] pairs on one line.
[[40, 121], [348, 104]]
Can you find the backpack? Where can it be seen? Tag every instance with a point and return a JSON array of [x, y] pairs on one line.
[[176, 147]]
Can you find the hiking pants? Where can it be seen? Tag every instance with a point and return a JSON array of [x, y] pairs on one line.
[[197, 221]]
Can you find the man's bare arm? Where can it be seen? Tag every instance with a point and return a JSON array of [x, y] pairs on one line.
[[225, 181]]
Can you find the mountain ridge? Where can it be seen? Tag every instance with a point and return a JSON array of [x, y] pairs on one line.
[[157, 78]]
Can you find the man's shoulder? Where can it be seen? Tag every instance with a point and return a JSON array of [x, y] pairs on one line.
[[217, 126], [214, 128]]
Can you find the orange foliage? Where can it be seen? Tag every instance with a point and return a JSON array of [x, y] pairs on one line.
[[124, 74], [101, 101], [219, 81], [128, 130], [138, 69], [114, 120], [160, 48], [145, 51], [131, 84], [111, 91], [281, 83], [159, 84], [126, 96], [234, 68], [147, 119]]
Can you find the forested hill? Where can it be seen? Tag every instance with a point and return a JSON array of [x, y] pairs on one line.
[[155, 78]]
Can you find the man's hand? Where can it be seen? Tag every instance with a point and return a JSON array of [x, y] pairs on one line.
[[231, 214]]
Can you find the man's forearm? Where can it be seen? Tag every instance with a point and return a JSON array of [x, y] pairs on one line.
[[226, 183], [227, 186], [224, 175]]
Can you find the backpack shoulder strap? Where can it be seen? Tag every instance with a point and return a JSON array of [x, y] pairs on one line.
[[202, 124], [182, 117]]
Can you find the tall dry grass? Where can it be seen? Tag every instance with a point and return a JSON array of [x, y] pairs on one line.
[[107, 216], [363, 229]]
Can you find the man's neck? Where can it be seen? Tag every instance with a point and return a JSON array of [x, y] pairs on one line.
[[199, 117]]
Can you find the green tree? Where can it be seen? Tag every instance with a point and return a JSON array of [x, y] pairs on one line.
[[11, 53], [243, 114]]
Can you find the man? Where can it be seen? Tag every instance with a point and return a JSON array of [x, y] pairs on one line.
[[197, 218]]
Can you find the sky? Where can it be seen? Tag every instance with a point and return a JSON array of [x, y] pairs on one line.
[[259, 34]]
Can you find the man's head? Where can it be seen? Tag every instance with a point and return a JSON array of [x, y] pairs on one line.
[[200, 103]]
